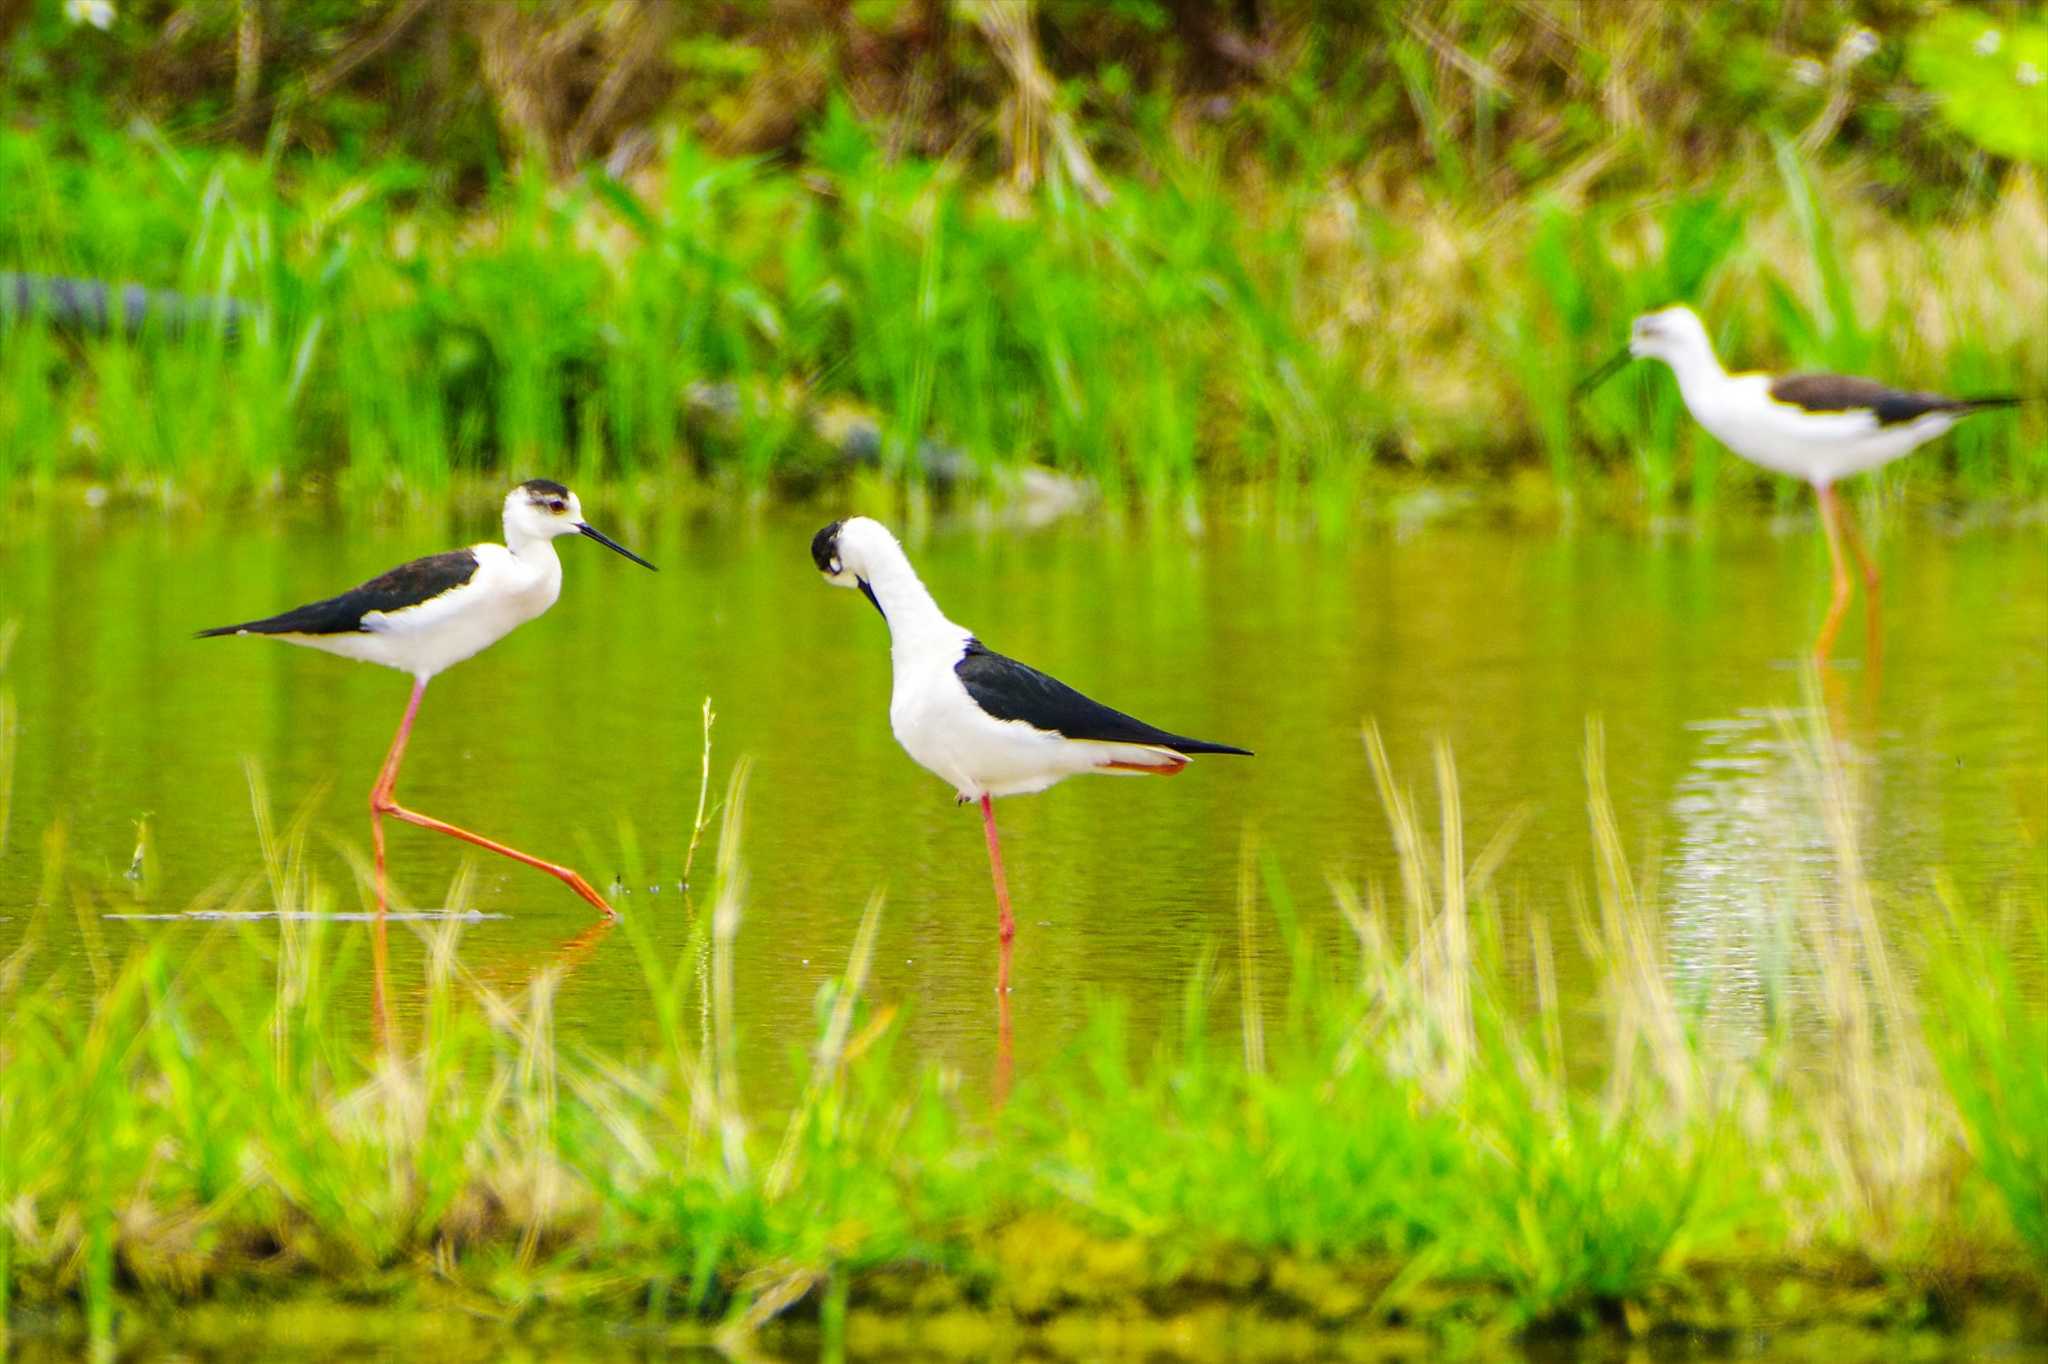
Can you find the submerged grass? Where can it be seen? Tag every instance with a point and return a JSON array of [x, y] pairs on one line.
[[740, 319], [1398, 1137]]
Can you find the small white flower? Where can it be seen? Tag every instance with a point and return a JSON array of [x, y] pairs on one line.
[[1807, 71], [1858, 44], [98, 13], [1987, 45], [2026, 73]]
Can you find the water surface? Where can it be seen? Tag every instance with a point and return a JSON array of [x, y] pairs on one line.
[[579, 737]]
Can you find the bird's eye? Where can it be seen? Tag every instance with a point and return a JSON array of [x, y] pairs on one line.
[[557, 505]]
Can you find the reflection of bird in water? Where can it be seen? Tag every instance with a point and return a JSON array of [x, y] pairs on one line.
[[1817, 427], [988, 724], [562, 962], [1753, 842], [428, 615]]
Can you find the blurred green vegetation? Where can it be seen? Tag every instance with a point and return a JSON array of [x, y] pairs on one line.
[[1163, 245], [1399, 1142]]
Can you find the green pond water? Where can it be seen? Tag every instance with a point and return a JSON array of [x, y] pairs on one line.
[[1687, 648]]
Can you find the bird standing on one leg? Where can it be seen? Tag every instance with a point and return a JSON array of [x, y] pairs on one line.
[[988, 724], [1816, 427], [430, 614]]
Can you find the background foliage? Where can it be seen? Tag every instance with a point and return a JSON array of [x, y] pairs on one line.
[[1158, 242]]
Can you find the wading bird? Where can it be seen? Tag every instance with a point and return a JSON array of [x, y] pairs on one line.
[[988, 724], [429, 615], [1816, 427]]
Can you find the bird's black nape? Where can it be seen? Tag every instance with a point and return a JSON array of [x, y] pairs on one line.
[[825, 547]]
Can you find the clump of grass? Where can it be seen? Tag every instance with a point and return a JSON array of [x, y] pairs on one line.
[[1991, 1050], [1393, 1133]]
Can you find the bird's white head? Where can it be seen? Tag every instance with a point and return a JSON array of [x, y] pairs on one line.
[[541, 509], [1674, 335], [851, 552]]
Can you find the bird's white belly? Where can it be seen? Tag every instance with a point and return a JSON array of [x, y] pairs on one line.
[[980, 755], [437, 645]]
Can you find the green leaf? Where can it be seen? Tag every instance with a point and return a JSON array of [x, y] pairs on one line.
[[1991, 79]]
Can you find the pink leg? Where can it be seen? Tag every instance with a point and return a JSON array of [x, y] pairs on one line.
[[387, 778], [1830, 523], [382, 803], [380, 970], [999, 1088], [1872, 586], [1006, 927], [1864, 563]]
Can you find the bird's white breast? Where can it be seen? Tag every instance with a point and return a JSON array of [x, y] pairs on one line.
[[948, 734]]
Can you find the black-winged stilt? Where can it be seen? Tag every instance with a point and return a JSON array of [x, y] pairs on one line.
[[988, 724], [428, 615], [1816, 427]]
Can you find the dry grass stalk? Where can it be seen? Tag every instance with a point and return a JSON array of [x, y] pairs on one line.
[[1031, 116], [703, 793], [725, 928], [1437, 975], [569, 79], [1881, 1121], [1629, 944]]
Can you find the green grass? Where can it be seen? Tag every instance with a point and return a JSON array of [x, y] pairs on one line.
[[725, 318], [1991, 1054], [10, 731], [1394, 1133]]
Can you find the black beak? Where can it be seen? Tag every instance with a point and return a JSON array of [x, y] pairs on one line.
[[611, 544], [869, 593], [1607, 371]]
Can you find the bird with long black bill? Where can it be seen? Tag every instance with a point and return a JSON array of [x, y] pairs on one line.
[[1816, 427], [987, 724], [428, 615]]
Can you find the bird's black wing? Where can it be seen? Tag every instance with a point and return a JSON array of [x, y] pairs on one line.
[[1010, 690], [407, 585], [1891, 406]]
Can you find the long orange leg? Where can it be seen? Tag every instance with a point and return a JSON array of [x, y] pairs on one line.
[[1006, 927], [1872, 587], [387, 777], [1864, 563], [382, 803], [380, 970], [999, 1087], [1830, 522]]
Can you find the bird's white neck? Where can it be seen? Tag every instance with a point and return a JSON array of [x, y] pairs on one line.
[[535, 555], [915, 620], [1698, 371], [535, 549]]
